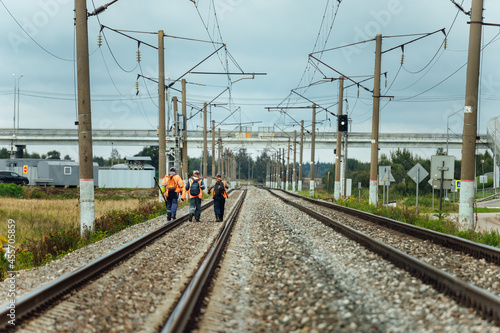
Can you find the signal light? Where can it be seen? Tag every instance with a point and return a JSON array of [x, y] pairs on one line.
[[342, 119]]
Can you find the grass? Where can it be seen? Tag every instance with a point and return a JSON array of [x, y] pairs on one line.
[[47, 219], [407, 214], [34, 217]]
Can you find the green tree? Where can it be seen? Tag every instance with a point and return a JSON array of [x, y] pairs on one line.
[[34, 155], [99, 160], [151, 151], [54, 155], [67, 158], [4, 153]]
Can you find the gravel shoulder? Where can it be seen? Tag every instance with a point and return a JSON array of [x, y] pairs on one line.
[[287, 272], [479, 272], [134, 295]]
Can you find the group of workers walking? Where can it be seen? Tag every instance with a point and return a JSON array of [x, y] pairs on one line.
[[173, 185]]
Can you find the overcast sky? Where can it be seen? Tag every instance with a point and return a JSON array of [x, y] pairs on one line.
[[273, 37]]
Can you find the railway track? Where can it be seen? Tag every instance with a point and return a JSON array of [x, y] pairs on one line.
[[282, 271], [34, 305], [462, 288]]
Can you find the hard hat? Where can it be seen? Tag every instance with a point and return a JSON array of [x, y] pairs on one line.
[[172, 169], [196, 172], [218, 175]]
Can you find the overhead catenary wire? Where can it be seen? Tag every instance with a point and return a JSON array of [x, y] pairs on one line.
[[31, 37]]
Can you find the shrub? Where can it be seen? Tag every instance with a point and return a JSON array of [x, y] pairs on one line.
[[55, 244], [11, 190]]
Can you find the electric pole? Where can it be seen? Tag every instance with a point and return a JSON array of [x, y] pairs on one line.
[[375, 123], [466, 208], [294, 170], [162, 147], [85, 155], [184, 134], [338, 158], [205, 146], [283, 171], [213, 149], [267, 174], [301, 155], [219, 166], [313, 146], [176, 135], [288, 165]]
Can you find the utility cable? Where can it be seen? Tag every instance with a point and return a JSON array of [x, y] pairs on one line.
[[34, 41]]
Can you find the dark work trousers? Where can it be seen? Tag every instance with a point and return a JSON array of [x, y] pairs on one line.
[[219, 202], [171, 205], [195, 207]]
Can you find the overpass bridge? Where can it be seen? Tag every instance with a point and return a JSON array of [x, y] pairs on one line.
[[233, 139]]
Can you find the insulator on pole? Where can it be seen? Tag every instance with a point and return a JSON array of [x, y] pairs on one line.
[[358, 90], [445, 42], [138, 55], [99, 40], [402, 54], [385, 79]]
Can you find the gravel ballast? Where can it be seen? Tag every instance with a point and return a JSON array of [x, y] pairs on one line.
[[485, 275], [286, 272], [137, 294]]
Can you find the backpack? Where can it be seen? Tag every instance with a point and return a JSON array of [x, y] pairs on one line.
[[219, 188], [194, 189]]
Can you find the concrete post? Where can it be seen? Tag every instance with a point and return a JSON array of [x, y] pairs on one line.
[[466, 208], [375, 123], [301, 155], [294, 171], [184, 133], [205, 147], [87, 212], [338, 157], [313, 146]]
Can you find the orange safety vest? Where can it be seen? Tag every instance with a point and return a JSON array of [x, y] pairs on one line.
[[173, 183]]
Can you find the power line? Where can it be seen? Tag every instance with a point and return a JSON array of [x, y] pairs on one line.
[[461, 8], [27, 34]]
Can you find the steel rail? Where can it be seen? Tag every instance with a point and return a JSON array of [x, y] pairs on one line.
[[194, 293], [54, 290], [477, 250], [486, 303]]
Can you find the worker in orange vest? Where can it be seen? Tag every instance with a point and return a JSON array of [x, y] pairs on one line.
[[195, 188], [172, 185], [220, 194]]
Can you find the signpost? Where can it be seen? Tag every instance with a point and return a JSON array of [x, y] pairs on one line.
[[385, 179], [483, 179], [442, 169], [418, 173]]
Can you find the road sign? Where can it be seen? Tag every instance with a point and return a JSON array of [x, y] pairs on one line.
[[458, 182], [436, 183], [442, 164], [25, 169], [418, 171], [385, 176], [483, 179], [453, 186]]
